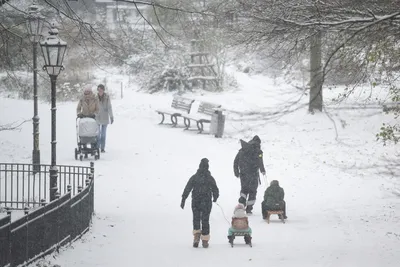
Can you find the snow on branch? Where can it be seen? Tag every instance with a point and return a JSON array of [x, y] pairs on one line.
[[154, 4], [12, 126], [375, 19]]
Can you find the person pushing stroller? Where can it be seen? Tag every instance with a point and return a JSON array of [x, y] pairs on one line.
[[88, 105], [87, 128]]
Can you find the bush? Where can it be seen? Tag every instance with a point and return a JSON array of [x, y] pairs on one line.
[[170, 79]]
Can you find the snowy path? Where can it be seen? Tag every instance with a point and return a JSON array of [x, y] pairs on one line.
[[336, 217], [138, 219]]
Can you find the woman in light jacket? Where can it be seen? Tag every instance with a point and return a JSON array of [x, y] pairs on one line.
[[104, 117], [88, 106]]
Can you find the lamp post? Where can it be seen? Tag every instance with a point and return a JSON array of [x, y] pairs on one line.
[[34, 25], [53, 49]]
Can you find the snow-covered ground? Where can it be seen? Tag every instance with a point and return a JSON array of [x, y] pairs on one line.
[[343, 203]]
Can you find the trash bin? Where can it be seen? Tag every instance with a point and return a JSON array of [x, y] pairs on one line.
[[217, 123]]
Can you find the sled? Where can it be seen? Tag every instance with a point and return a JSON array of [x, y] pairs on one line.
[[247, 238], [277, 212]]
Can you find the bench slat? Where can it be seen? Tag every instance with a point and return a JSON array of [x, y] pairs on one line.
[[207, 108], [169, 111], [182, 103]]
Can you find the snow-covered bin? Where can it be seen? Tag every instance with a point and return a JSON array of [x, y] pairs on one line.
[[217, 124]]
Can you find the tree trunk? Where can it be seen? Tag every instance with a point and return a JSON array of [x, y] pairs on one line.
[[316, 77]]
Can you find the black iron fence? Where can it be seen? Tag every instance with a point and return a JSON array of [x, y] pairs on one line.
[[21, 186], [51, 225]]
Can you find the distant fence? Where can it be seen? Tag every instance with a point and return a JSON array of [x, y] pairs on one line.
[[50, 226], [21, 187]]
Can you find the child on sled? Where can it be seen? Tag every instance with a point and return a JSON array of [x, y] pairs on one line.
[[240, 223]]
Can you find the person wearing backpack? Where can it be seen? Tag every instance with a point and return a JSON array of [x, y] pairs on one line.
[[247, 166]]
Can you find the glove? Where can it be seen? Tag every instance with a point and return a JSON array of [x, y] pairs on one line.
[[263, 173], [215, 199], [183, 203], [112, 120]]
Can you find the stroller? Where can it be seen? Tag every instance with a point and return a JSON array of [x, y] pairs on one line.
[[87, 131]]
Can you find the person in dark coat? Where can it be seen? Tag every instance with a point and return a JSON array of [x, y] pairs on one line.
[[204, 190], [247, 166], [274, 199]]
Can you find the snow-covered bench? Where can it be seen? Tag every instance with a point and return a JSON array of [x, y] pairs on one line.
[[203, 115], [178, 105], [277, 212]]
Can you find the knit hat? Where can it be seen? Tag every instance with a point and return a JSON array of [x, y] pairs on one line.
[[101, 86], [239, 206], [88, 90], [204, 164], [274, 182], [242, 201]]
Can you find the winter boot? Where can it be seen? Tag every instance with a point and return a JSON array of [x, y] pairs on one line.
[[205, 239], [280, 216], [247, 239], [196, 238], [249, 209]]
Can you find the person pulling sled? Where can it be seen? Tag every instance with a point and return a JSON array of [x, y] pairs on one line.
[[240, 224], [247, 166], [204, 191]]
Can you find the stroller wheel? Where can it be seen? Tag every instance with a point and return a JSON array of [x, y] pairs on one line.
[[76, 154], [81, 157]]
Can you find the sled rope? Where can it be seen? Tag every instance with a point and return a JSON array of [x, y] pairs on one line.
[[223, 213]]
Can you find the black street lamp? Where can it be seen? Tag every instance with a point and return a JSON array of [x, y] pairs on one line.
[[34, 25], [53, 49]]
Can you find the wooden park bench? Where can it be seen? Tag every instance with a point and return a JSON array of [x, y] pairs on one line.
[[203, 115], [277, 212], [179, 106]]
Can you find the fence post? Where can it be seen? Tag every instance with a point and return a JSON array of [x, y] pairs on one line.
[[9, 236], [26, 210], [43, 202], [92, 168], [122, 91], [8, 211], [92, 188], [69, 188], [58, 195]]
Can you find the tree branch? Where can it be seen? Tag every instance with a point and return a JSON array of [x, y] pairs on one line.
[[12, 126]]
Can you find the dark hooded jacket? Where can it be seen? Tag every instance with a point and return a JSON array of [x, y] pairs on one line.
[[203, 185], [249, 159], [274, 194]]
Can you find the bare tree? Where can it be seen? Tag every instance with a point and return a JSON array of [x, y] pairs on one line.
[[290, 28]]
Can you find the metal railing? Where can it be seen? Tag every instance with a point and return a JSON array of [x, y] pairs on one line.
[[41, 231], [22, 186]]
